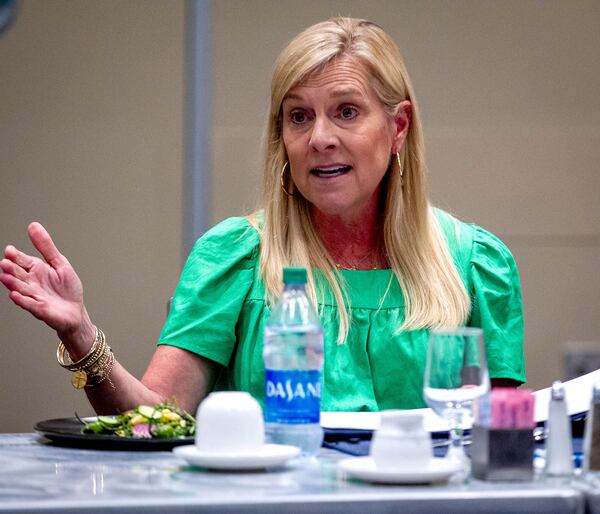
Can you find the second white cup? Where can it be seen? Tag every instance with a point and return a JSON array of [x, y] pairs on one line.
[[401, 441], [229, 423]]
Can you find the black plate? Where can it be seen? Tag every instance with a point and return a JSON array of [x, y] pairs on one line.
[[67, 432]]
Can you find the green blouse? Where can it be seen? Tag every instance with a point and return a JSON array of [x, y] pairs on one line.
[[218, 311]]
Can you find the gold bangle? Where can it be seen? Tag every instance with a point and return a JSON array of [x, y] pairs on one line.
[[95, 357], [64, 358]]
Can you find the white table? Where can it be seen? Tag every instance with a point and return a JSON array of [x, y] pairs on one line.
[[38, 477]]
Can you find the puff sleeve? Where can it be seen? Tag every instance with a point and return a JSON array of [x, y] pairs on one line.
[[215, 281], [497, 306]]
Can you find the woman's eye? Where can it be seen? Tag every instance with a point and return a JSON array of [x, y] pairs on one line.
[[298, 116], [348, 113]]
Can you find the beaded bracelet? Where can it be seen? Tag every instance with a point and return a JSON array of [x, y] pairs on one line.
[[93, 368]]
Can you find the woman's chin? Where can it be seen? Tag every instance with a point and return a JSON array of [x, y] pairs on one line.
[[348, 206], [341, 210]]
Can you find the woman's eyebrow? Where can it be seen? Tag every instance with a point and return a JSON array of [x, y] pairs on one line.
[[292, 96], [347, 91]]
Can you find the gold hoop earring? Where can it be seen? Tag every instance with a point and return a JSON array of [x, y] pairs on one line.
[[399, 161], [399, 164], [281, 179]]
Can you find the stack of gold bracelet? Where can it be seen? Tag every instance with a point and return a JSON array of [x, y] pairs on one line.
[[93, 368]]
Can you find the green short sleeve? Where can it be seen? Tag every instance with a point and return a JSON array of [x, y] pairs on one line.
[[497, 305], [211, 292], [218, 311]]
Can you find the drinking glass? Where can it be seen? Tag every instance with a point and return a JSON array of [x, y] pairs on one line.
[[456, 375]]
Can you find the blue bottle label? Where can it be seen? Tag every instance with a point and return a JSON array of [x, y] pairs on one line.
[[292, 396]]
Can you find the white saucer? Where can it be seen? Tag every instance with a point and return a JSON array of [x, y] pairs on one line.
[[268, 455], [364, 468]]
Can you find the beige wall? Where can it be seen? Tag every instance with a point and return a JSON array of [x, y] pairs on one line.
[[91, 145]]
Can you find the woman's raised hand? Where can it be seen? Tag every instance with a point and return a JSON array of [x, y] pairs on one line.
[[49, 288]]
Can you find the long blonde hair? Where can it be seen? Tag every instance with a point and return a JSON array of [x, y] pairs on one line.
[[433, 292]]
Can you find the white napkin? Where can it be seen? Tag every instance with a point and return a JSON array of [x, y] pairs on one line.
[[578, 393], [370, 420]]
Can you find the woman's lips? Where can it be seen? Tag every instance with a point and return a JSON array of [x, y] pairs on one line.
[[330, 171]]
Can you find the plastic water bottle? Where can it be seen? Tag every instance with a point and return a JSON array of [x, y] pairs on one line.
[[293, 355]]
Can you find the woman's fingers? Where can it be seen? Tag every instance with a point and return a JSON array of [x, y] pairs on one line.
[[8, 266], [12, 283], [18, 257], [43, 242], [48, 288]]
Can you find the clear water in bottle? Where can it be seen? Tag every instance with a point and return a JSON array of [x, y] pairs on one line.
[[293, 355]]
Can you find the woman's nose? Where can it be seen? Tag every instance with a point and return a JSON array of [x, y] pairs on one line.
[[323, 135]]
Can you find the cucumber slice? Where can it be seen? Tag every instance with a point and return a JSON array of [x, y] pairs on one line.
[[109, 421], [149, 412]]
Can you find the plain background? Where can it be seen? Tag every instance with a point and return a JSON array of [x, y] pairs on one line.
[[92, 110]]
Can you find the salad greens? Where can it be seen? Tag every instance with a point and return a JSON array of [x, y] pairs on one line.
[[164, 420]]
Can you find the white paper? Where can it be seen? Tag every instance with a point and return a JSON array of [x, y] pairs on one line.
[[370, 420], [578, 395]]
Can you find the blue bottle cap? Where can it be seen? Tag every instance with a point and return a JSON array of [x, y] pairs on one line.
[[294, 276]]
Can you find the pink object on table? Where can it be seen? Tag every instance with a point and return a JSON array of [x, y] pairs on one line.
[[512, 408]]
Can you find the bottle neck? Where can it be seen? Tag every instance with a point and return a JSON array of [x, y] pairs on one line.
[[294, 287]]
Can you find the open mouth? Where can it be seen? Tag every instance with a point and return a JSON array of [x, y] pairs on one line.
[[330, 171]]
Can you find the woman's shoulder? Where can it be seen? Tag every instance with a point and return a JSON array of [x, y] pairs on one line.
[[232, 239], [459, 236], [234, 228], [471, 244]]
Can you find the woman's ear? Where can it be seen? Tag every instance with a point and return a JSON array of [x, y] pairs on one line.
[[402, 120]]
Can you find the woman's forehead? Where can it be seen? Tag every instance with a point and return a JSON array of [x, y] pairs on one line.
[[341, 76]]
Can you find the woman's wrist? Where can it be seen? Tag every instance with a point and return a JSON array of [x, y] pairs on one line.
[[79, 340], [93, 368]]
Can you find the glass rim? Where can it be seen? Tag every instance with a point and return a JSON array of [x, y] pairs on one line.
[[457, 331]]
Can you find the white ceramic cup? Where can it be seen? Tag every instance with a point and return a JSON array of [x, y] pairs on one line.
[[401, 442], [229, 423]]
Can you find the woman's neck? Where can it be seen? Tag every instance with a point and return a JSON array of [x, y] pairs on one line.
[[353, 243]]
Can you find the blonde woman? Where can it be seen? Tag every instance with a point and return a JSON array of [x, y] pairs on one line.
[[345, 197]]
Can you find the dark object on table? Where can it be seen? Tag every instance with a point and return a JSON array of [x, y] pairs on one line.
[[502, 453], [351, 441], [67, 432], [357, 442]]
